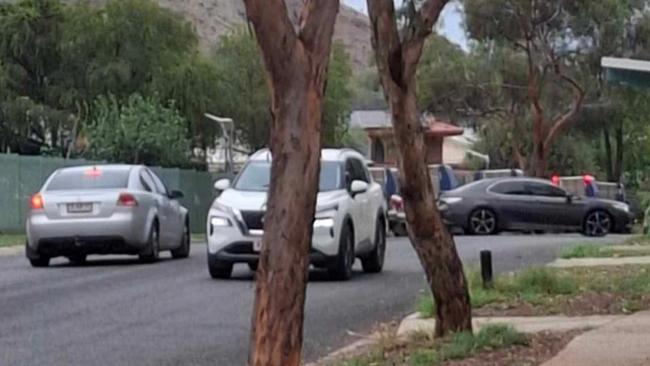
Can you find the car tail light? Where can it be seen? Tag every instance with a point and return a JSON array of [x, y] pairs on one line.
[[396, 203], [94, 172], [36, 202], [555, 180], [127, 200]]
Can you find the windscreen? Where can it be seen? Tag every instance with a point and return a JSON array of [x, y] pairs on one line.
[[91, 178], [257, 175]]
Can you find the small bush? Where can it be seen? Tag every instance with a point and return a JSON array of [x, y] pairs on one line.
[[425, 306], [425, 357], [463, 345], [499, 335], [460, 345], [542, 281], [581, 251]]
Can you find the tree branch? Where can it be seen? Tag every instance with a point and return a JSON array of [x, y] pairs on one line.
[[317, 26], [565, 119], [385, 40], [420, 28], [275, 33]]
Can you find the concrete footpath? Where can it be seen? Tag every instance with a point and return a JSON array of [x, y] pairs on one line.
[[624, 342]]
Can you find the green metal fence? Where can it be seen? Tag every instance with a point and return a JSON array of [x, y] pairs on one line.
[[21, 176]]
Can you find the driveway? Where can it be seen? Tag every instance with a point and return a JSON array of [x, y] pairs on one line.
[[115, 311]]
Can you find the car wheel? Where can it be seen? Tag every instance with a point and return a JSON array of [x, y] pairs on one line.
[[183, 251], [39, 262], [153, 246], [219, 269], [253, 266], [35, 259], [483, 221], [78, 259], [597, 223], [374, 262], [399, 229], [341, 268]]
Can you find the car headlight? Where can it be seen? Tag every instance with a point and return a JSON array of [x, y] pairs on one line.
[[324, 223], [222, 208], [451, 200], [219, 222], [621, 206]]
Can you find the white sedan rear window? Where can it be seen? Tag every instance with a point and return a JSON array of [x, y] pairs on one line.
[[91, 178]]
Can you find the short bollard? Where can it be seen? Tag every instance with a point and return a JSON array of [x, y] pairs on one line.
[[486, 268]]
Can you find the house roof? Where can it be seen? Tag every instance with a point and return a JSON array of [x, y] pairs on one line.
[[370, 119], [378, 123]]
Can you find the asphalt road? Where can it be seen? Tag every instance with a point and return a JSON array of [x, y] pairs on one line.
[[116, 311]]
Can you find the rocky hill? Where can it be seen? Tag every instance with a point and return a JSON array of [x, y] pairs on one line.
[[213, 18]]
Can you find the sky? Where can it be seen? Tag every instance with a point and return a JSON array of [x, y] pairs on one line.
[[451, 21]]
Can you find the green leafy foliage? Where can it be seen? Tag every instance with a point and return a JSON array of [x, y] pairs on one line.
[[139, 131], [244, 95]]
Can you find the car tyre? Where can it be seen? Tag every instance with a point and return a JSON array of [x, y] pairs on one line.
[[341, 268], [183, 251], [253, 266], [77, 259], [374, 262], [36, 260], [153, 246], [39, 262], [219, 269], [399, 229], [483, 221], [597, 223]]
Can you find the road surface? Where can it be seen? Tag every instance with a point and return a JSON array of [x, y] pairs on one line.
[[117, 312]]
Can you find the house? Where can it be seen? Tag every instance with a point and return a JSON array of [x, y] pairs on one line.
[[377, 125]]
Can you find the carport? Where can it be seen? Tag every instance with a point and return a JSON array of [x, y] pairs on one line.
[[627, 72]]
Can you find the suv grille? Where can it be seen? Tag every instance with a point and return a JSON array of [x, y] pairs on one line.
[[253, 219]]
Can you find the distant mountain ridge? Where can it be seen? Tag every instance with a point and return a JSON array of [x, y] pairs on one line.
[[214, 18]]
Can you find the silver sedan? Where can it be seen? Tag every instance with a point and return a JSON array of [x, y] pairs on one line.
[[105, 209]]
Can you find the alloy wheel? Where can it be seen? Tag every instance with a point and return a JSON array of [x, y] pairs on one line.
[[483, 222], [598, 223]]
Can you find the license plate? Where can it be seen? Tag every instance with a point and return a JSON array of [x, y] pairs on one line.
[[80, 207], [257, 245]]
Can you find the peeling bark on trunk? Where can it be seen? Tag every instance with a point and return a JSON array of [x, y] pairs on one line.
[[296, 63], [397, 60]]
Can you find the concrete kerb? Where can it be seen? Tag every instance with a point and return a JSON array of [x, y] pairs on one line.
[[596, 262], [13, 250], [414, 323]]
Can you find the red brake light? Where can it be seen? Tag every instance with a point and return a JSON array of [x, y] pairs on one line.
[[36, 202], [555, 180], [127, 199], [93, 173]]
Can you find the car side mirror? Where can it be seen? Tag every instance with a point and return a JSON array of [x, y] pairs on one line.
[[358, 186], [569, 198], [176, 195], [222, 184]]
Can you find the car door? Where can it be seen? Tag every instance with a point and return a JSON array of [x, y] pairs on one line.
[[512, 203], [552, 207], [165, 211], [362, 203]]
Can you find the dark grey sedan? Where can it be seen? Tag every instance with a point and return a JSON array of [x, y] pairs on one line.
[[489, 206]]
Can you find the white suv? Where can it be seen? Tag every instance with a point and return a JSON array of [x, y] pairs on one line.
[[350, 217]]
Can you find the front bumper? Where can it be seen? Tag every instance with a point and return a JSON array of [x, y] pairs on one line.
[[623, 222], [233, 244]]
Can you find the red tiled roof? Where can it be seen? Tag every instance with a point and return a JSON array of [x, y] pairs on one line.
[[434, 128]]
